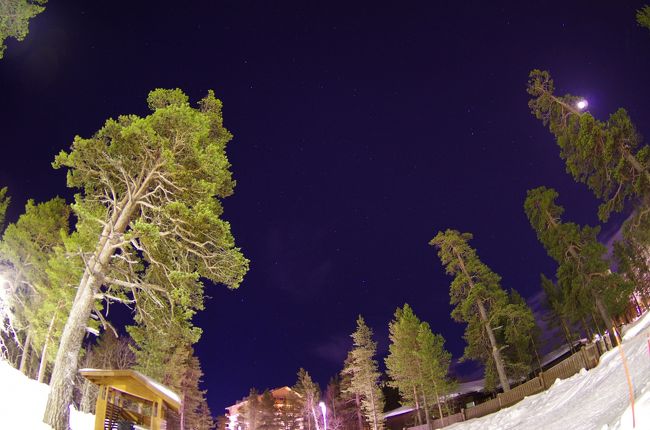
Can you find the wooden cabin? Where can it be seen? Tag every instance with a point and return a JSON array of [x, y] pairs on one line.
[[131, 397]]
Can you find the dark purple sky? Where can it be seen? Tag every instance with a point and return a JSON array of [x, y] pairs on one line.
[[361, 129]]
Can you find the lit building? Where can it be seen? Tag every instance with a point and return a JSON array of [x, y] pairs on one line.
[[284, 398]]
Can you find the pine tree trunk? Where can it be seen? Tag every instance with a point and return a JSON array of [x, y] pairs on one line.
[[539, 362], [374, 409], [57, 412], [418, 415], [442, 420], [313, 412], [65, 365], [607, 319], [182, 417], [498, 361], [585, 328], [25, 354], [567, 335], [426, 409], [359, 418], [43, 365], [89, 397]]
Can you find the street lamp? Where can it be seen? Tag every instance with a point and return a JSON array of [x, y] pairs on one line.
[[323, 409]]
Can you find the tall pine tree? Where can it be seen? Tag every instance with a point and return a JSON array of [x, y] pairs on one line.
[[309, 393], [364, 375], [479, 301], [583, 272], [149, 191], [402, 362], [433, 362]]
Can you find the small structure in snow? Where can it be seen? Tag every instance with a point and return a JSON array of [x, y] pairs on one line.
[[129, 396]]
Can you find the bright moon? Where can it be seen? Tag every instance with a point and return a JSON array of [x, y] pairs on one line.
[[582, 104]]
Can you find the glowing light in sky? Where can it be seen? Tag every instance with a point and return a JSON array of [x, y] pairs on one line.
[[582, 104]]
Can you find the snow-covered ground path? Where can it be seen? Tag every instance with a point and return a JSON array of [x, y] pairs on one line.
[[22, 403], [597, 399]]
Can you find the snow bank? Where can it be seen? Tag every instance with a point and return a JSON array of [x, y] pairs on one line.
[[597, 399], [23, 400]]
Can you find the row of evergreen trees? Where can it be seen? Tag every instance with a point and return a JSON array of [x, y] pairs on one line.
[[417, 366]]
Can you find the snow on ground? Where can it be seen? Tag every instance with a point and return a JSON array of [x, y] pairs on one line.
[[22, 403], [597, 399]]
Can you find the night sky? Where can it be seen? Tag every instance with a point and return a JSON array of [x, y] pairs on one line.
[[361, 129]]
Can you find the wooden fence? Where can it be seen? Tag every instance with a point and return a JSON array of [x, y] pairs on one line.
[[482, 409], [516, 394], [586, 358], [447, 421]]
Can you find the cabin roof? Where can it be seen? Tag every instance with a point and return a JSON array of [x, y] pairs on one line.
[[134, 383]]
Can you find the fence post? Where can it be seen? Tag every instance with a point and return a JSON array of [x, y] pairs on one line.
[[499, 400], [462, 414], [608, 342], [542, 380], [586, 362]]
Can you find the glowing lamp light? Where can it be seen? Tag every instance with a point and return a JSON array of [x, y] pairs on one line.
[[582, 104]]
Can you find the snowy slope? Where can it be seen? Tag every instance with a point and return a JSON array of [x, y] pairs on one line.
[[22, 403], [597, 399]]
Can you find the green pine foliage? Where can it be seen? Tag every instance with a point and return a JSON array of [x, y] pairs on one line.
[[196, 412], [365, 376], [4, 203], [341, 413], [521, 335], [417, 364], [608, 156], [309, 393], [478, 299], [349, 410], [433, 362], [32, 246], [267, 412], [559, 310], [149, 219], [178, 368], [643, 17], [14, 19], [249, 413], [632, 260], [583, 273], [259, 412], [402, 362]]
